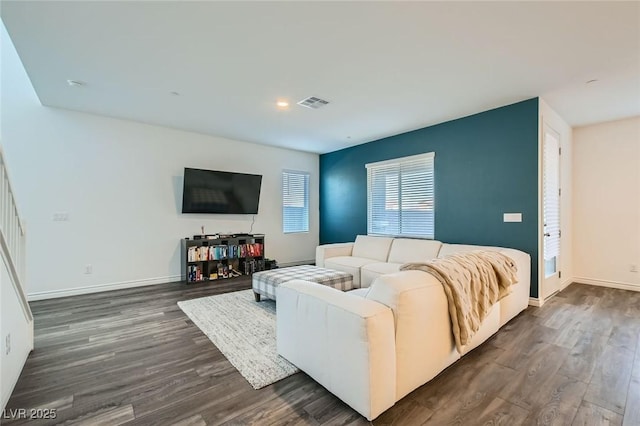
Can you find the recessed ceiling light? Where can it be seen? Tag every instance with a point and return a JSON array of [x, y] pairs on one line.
[[594, 80], [282, 104], [75, 83]]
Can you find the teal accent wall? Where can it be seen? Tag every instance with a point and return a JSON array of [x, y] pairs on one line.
[[485, 165]]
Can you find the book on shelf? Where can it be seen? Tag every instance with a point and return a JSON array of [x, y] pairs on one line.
[[251, 250], [252, 265], [194, 273], [191, 254], [203, 253]]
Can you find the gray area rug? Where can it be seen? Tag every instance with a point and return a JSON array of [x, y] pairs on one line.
[[245, 332]]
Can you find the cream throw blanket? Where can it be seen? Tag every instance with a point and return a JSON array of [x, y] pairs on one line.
[[473, 283]]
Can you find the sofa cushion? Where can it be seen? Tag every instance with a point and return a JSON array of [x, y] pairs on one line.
[[449, 249], [326, 251], [517, 301], [368, 247], [348, 264], [424, 340], [405, 250], [490, 324], [360, 292], [351, 261], [371, 271]]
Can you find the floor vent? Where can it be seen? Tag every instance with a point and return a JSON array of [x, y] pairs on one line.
[[313, 102]]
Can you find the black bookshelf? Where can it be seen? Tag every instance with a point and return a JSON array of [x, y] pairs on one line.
[[219, 257]]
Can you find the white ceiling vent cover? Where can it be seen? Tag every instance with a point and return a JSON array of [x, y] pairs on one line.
[[313, 102]]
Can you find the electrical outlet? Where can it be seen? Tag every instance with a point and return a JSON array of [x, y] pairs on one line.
[[60, 217], [88, 269], [633, 268], [7, 344]]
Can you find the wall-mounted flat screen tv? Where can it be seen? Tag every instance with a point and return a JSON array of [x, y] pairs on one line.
[[211, 191]]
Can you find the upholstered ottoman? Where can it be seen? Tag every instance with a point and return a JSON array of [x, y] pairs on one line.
[[265, 282]]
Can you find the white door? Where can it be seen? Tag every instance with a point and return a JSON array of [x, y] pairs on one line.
[[551, 212]]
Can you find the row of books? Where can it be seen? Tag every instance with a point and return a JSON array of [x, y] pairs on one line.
[[253, 265], [223, 271], [196, 273], [219, 252]]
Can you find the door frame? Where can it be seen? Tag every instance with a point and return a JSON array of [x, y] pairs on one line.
[[552, 284]]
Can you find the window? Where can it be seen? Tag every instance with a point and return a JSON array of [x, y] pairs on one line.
[[400, 197], [295, 202]]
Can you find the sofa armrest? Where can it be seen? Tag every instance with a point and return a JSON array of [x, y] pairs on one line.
[[424, 339], [344, 342], [332, 250]]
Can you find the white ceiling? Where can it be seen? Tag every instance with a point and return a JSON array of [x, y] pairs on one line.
[[385, 67]]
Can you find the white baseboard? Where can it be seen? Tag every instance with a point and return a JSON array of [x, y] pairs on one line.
[[564, 284], [534, 301], [75, 291], [605, 283], [53, 294]]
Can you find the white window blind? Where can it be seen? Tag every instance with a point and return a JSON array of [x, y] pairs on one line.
[[295, 201], [551, 199], [400, 197]]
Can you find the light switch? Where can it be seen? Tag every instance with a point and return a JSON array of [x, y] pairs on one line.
[[513, 217]]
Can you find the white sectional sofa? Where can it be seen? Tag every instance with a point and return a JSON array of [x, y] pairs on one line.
[[371, 347]]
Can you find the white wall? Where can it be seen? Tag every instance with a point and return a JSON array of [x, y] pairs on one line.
[[14, 318], [607, 203], [552, 119], [121, 184]]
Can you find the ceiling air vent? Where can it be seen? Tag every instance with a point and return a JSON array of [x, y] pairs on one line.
[[313, 102]]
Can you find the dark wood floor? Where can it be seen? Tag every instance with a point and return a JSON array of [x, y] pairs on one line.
[[133, 357]]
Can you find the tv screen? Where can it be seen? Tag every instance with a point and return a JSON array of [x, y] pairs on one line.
[[210, 191]]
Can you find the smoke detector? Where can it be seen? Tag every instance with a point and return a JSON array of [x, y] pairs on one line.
[[313, 102]]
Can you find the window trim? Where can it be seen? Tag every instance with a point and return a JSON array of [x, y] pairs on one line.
[[425, 156], [307, 199], [398, 161]]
